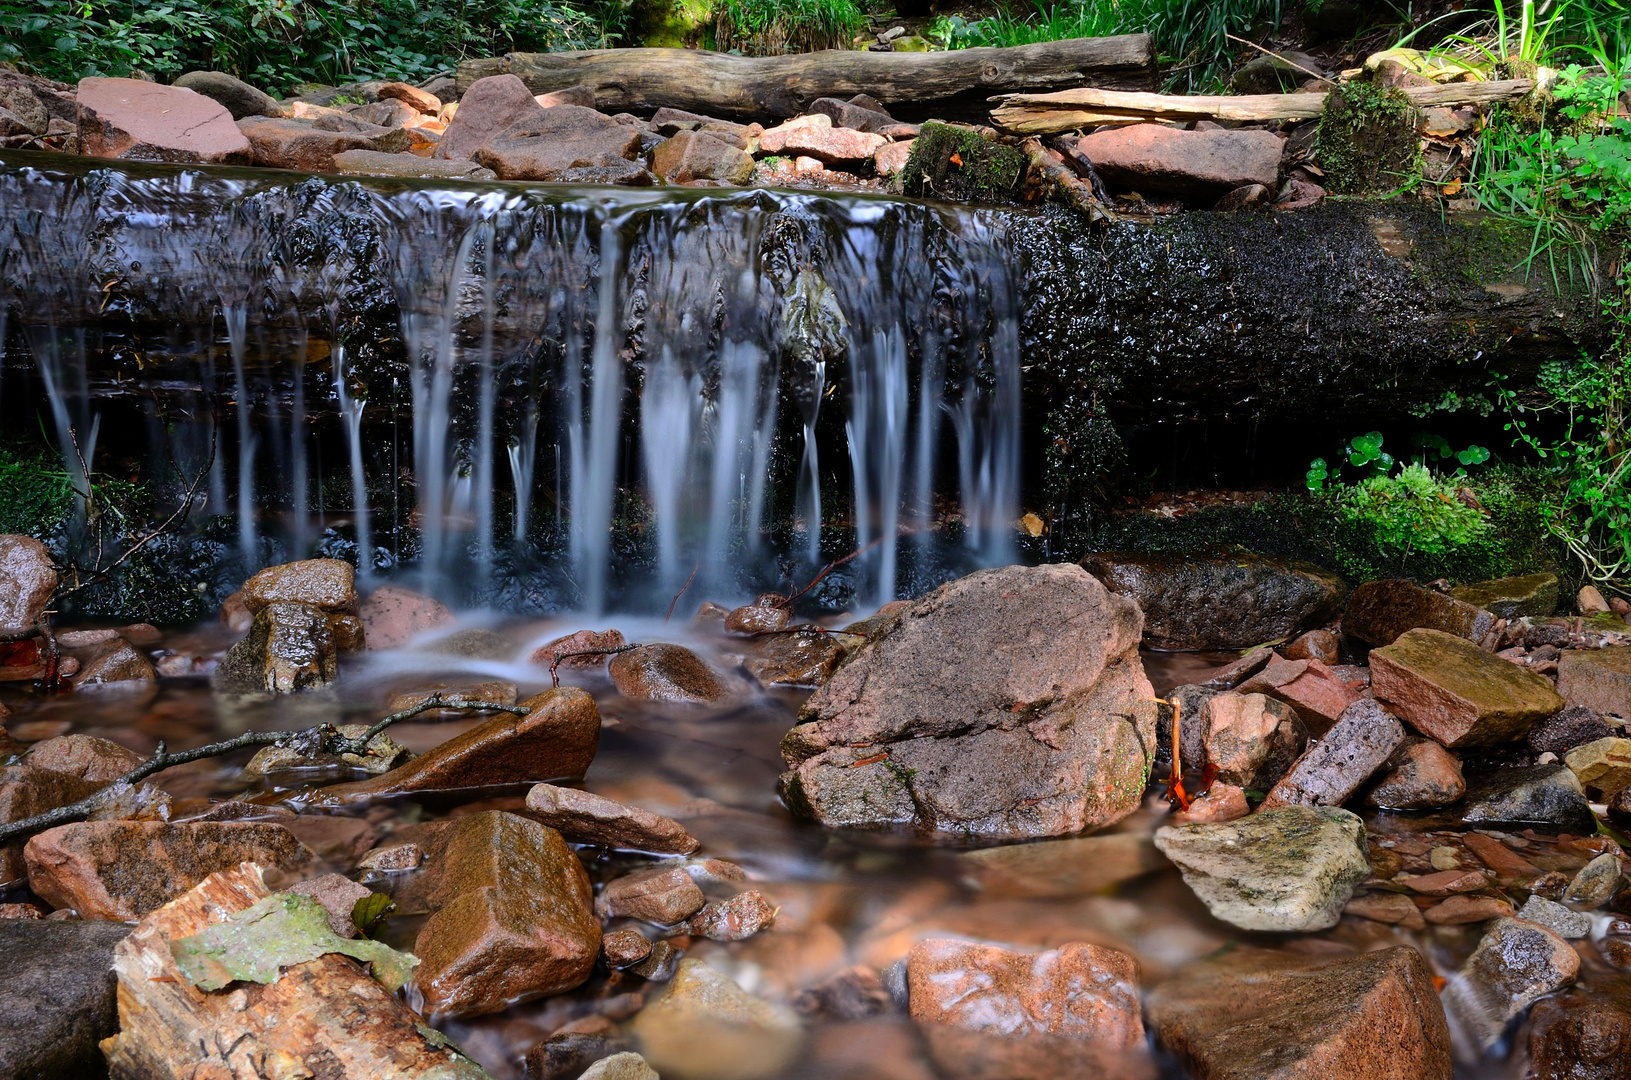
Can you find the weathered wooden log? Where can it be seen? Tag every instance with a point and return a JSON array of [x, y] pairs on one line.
[[326, 1017], [1067, 110], [945, 85]]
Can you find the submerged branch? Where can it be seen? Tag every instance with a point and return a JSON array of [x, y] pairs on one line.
[[324, 736]]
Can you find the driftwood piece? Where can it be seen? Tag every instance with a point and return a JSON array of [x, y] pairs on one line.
[[946, 85], [1067, 110], [326, 1017], [1063, 183]]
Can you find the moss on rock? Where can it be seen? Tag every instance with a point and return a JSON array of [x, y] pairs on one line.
[[959, 163], [1367, 141]]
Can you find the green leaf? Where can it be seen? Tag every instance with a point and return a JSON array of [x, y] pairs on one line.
[[1473, 455], [280, 931], [370, 912]]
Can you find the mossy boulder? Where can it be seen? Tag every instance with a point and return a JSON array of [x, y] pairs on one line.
[[958, 163], [1367, 142]]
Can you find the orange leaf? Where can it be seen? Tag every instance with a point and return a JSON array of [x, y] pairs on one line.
[[1453, 187], [956, 159]]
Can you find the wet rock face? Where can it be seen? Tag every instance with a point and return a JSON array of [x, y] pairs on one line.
[[1199, 602], [585, 818], [1379, 611], [289, 648], [1291, 868], [28, 577], [143, 121], [514, 918], [1078, 991], [1456, 693], [1514, 965], [57, 997], [1513, 597], [125, 869], [665, 672], [1253, 1014], [1582, 1034], [1598, 679], [1010, 703], [736, 919]]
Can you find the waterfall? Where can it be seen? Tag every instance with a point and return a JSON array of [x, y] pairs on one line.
[[702, 365]]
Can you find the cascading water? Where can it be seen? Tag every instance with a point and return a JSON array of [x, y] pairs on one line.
[[696, 364]]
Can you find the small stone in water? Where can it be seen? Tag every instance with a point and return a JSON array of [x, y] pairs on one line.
[[1221, 802], [754, 619], [1386, 907], [664, 897], [736, 919], [1514, 965], [565, 1054], [624, 1066], [586, 818], [664, 672], [1596, 882], [853, 994], [708, 1026], [1562, 921], [624, 948], [1445, 858], [338, 895], [1445, 882], [1460, 910], [393, 860], [583, 641], [84, 756], [1419, 775], [496, 691], [659, 965]]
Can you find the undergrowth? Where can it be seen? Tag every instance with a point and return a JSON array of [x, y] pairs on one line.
[[777, 27]]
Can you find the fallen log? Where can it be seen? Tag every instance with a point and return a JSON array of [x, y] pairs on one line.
[[950, 85], [1067, 110], [326, 1017]]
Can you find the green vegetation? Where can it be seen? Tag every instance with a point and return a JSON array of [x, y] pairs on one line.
[[776, 27], [1192, 36], [959, 163], [1367, 141], [276, 44]]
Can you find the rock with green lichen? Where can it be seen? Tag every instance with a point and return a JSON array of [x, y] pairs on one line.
[[381, 755], [1367, 141], [282, 930], [958, 163]]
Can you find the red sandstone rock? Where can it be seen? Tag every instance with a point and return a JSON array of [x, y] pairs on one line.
[[421, 100], [663, 897], [393, 616], [84, 756], [143, 121], [488, 107], [1156, 159], [584, 818], [1450, 690], [583, 641]]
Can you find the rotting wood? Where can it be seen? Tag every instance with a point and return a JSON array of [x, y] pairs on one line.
[[327, 1017], [950, 85], [1067, 110], [1070, 188]]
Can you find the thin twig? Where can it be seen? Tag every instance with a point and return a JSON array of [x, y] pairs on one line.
[[1277, 56], [331, 741], [674, 602], [555, 680], [829, 568], [806, 630]]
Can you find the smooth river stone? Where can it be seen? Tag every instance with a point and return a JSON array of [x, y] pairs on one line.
[[584, 818]]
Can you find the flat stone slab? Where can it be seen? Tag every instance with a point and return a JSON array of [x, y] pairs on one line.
[[585, 818], [1451, 690], [1361, 740], [1597, 679], [1512, 597], [143, 121], [1290, 868], [1155, 159]]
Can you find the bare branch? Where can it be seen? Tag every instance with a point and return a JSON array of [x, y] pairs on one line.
[[673, 603]]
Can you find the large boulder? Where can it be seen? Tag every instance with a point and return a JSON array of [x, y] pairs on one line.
[[1252, 1014], [1597, 679], [239, 97], [1219, 602], [514, 918], [1379, 611], [488, 107], [557, 140], [143, 121], [28, 577], [56, 1000], [1010, 703], [1450, 690], [1198, 166]]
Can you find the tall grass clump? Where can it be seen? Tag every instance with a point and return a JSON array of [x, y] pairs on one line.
[[778, 27]]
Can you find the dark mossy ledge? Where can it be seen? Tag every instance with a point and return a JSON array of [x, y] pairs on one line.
[[1359, 307]]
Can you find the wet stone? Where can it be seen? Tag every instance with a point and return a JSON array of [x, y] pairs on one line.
[[694, 155], [381, 755], [660, 965], [338, 895], [855, 993], [1379, 612], [1251, 740], [28, 577], [1514, 965], [1286, 869], [326, 584], [1582, 1034], [1219, 802], [1512, 597], [1548, 795], [706, 1025], [560, 651], [624, 948], [115, 666], [290, 648], [1456, 693], [665, 672], [566, 1054], [1598, 679], [804, 659], [1309, 686], [624, 1066], [1595, 883], [556, 140], [84, 756], [1322, 645], [395, 859], [736, 919], [494, 691], [1363, 738], [664, 897], [391, 615], [1568, 729], [1603, 766], [1564, 922], [1420, 775], [753, 619], [56, 997], [1055, 869], [1463, 910], [1386, 907], [585, 818]]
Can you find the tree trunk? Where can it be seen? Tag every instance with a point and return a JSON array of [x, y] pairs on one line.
[[950, 85], [326, 1017]]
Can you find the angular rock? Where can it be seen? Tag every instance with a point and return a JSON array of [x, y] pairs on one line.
[[421, 100], [338, 895], [330, 585], [143, 121], [1251, 740], [1564, 922], [1420, 775], [239, 97], [1231, 675], [1252, 1014], [1456, 693], [1598, 679], [556, 739], [1603, 765], [290, 648], [1289, 868], [57, 998], [1200, 166], [84, 756], [393, 859], [1595, 883], [736, 919], [662, 897], [1205, 602], [583, 642], [751, 619], [664, 672], [1219, 802], [115, 665], [1077, 991], [22, 112], [1528, 795], [1568, 729], [1514, 965], [1322, 645], [801, 659], [890, 159], [840, 148], [584, 818], [28, 577], [514, 918], [1056, 869], [1379, 611], [708, 1026], [393, 616], [1395, 909], [377, 163], [624, 948], [1317, 693], [1362, 739], [124, 869], [1512, 597], [1583, 1033], [660, 965], [691, 155], [296, 144], [1444, 882], [1507, 864], [1590, 601], [24, 792], [566, 137], [489, 106], [1010, 703]]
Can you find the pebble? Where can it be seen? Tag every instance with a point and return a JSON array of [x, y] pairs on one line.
[[1596, 882], [706, 1025], [624, 1066], [1461, 910], [1562, 921], [1445, 858], [585, 818], [665, 896], [624, 948], [1386, 907], [736, 919]]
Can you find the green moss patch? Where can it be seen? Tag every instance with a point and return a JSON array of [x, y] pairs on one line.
[[1367, 141], [957, 163]]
